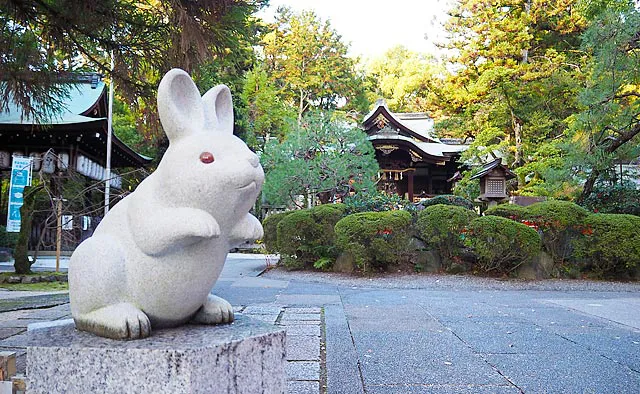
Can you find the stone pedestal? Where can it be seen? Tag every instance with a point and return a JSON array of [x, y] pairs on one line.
[[244, 357]]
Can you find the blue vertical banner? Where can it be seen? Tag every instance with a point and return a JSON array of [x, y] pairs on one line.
[[20, 177]]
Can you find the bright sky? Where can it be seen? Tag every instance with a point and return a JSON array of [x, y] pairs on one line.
[[372, 27]]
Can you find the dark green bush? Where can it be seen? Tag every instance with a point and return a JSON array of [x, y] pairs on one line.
[[448, 199], [270, 227], [509, 211], [375, 239], [7, 240], [610, 247], [306, 236], [375, 201], [501, 245], [614, 199], [440, 226], [560, 223]]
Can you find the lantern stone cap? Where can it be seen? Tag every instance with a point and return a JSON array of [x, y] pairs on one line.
[[496, 164]]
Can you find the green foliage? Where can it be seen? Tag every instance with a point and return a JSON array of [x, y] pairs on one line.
[[448, 200], [518, 69], [610, 246], [466, 187], [308, 61], [373, 200], [559, 223], [408, 81], [614, 199], [606, 130], [501, 245], [270, 227], [43, 41], [267, 115], [125, 128], [321, 157], [509, 211], [307, 236], [441, 227], [375, 239]]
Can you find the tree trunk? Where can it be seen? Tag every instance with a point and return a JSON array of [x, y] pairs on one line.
[[587, 189], [22, 265], [517, 132], [300, 107]]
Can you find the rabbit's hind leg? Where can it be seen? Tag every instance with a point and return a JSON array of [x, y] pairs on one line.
[[97, 291], [215, 310], [119, 321]]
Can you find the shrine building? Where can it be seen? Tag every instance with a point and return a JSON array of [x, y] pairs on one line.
[[413, 162], [75, 139]]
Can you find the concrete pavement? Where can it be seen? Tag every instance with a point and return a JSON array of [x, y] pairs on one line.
[[430, 334]]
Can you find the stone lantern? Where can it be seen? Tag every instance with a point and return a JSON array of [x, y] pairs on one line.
[[493, 182]]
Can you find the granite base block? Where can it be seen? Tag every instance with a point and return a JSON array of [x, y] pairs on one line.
[[243, 357]]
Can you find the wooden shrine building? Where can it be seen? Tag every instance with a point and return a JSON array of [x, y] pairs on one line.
[[74, 139], [413, 162]]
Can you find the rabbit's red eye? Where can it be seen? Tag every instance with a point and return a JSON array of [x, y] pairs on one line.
[[206, 157]]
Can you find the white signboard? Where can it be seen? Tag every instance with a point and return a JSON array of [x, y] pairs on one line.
[[20, 177]]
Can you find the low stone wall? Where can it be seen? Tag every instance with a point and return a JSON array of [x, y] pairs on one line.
[[33, 279]]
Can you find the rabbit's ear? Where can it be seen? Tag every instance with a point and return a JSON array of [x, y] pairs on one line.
[[179, 104], [218, 109]]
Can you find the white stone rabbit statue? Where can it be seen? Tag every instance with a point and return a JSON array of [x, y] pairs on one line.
[[156, 255]]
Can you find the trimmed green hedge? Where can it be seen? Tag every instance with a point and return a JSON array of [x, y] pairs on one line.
[[448, 199], [509, 211], [501, 245], [561, 222], [440, 227], [306, 236], [610, 246], [270, 227], [375, 239]]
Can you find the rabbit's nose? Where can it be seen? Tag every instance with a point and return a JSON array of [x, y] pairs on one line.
[[254, 160]]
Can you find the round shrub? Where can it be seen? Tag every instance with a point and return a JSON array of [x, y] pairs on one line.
[[306, 236], [270, 227], [374, 239], [501, 245], [448, 199], [440, 226], [560, 223], [611, 245], [509, 211]]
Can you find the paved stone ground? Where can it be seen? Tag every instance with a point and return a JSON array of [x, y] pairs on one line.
[[431, 334]]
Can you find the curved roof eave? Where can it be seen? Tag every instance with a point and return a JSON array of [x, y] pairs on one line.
[[430, 155], [383, 109]]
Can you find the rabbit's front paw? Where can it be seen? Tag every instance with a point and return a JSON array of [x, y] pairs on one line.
[[120, 321], [215, 310], [205, 226]]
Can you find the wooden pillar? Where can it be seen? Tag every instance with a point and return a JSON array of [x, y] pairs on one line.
[[410, 185]]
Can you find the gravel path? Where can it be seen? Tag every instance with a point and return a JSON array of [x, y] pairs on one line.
[[443, 281]]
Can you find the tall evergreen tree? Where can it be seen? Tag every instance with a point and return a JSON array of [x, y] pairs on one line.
[[607, 131], [517, 70], [308, 60], [43, 40], [408, 81]]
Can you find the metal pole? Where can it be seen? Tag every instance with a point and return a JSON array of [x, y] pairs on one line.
[[107, 172], [58, 232]]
